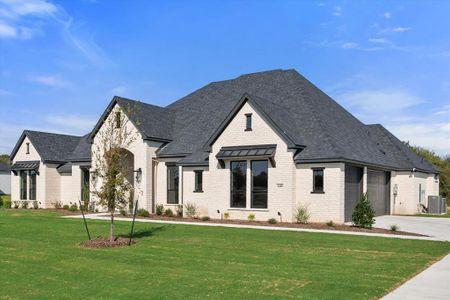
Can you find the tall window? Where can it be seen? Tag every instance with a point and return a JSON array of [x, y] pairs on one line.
[[198, 181], [238, 183], [28, 148], [172, 184], [259, 183], [118, 120], [32, 181], [248, 122], [84, 184], [23, 185], [318, 180]]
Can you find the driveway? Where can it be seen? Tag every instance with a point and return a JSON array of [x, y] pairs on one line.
[[438, 228]]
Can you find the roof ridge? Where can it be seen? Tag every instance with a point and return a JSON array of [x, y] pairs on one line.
[[52, 133], [138, 101]]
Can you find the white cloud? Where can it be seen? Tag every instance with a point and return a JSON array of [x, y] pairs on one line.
[[5, 93], [337, 11], [349, 45], [14, 8], [7, 31], [401, 29], [379, 41], [387, 15], [50, 80]]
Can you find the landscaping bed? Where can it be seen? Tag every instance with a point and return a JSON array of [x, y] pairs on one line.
[[321, 226], [103, 242]]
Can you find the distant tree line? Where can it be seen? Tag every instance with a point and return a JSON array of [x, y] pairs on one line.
[[442, 162]]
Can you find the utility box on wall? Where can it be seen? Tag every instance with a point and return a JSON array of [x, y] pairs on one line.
[[437, 205]]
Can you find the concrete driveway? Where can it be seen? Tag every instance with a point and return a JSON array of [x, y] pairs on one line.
[[438, 228]]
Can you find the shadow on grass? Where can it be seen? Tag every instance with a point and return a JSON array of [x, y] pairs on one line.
[[143, 233]]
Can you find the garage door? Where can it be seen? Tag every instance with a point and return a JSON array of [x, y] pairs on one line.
[[353, 189], [378, 191]]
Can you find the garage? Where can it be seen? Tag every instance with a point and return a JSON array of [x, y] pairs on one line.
[[378, 191], [353, 189]]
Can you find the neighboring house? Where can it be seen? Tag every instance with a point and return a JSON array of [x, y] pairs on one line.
[[5, 179], [262, 144]]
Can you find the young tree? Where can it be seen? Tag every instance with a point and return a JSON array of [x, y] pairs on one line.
[[363, 214], [112, 184]]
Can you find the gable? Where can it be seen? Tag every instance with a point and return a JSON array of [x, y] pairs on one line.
[[20, 152]]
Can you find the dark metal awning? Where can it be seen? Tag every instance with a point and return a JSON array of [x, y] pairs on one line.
[[25, 166], [249, 151]]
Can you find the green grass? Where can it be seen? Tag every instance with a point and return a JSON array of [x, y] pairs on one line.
[[40, 258], [447, 215]]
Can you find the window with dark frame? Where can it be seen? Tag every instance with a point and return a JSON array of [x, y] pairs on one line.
[[172, 184], [85, 177], [23, 185], [118, 119], [238, 184], [28, 148], [32, 184], [318, 180], [198, 181], [259, 183], [248, 122]]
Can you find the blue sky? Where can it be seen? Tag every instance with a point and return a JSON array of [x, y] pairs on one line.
[[61, 62]]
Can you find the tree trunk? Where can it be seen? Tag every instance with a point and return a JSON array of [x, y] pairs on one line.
[[111, 233]]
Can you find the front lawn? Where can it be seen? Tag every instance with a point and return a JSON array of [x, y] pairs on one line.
[[447, 215], [40, 258]]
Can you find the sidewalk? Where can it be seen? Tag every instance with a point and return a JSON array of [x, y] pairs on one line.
[[105, 216], [430, 284]]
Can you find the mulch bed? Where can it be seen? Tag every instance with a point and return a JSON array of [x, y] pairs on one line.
[[103, 242], [321, 226]]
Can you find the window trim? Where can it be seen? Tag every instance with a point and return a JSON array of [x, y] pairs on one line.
[[28, 148], [32, 189], [198, 189], [314, 191], [231, 184], [177, 201], [23, 185], [251, 184], [248, 119]]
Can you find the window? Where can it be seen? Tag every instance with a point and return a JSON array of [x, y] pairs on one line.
[[259, 183], [198, 181], [28, 148], [118, 120], [32, 180], [318, 180], [248, 122], [238, 184], [85, 184], [172, 184], [23, 185]]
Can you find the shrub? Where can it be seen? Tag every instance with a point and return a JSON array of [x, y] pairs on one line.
[[159, 209], [168, 213], [35, 205], [7, 203], [363, 215], [302, 214], [73, 208], [1, 201], [205, 218], [25, 204], [142, 212], [226, 215], [179, 210], [16, 204], [394, 227], [330, 223], [191, 210], [66, 207], [251, 217], [272, 221], [57, 204], [123, 212]]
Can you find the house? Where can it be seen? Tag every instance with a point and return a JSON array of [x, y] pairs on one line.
[[262, 144], [5, 179]]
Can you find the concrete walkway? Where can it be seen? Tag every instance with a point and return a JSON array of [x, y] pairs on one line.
[[430, 284], [105, 216], [438, 228]]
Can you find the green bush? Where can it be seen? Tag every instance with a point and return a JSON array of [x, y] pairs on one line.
[[73, 208], [363, 215], [179, 210], [6, 202], [205, 218], [123, 212], [302, 214], [57, 204], [16, 204], [272, 221], [168, 213], [394, 227], [251, 217], [25, 204], [1, 201], [330, 223], [35, 205], [141, 212], [226, 215], [66, 207], [159, 209], [191, 210]]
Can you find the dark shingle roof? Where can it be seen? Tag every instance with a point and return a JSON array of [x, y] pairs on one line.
[[51, 147], [82, 151], [4, 168]]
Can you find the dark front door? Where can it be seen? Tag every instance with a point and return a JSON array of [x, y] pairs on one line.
[[353, 190], [378, 191]]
